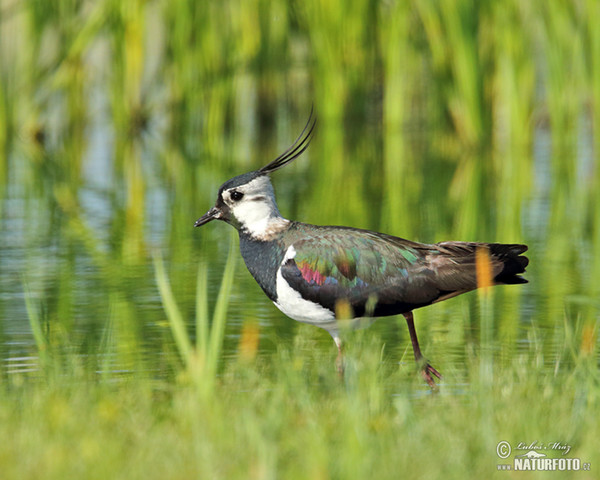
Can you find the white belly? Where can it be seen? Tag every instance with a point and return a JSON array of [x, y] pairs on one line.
[[290, 302]]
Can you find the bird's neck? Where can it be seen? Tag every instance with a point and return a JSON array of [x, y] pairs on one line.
[[263, 258], [266, 227]]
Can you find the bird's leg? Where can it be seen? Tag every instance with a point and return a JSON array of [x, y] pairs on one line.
[[339, 361], [426, 370]]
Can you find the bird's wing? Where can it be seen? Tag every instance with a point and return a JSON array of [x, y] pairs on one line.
[[375, 274], [378, 274]]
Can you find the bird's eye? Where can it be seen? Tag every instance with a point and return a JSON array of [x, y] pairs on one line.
[[236, 196]]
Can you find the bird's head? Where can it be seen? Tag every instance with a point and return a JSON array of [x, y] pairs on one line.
[[248, 201]]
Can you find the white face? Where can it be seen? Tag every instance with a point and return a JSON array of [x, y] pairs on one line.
[[253, 205]]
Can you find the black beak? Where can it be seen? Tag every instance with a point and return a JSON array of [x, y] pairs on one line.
[[212, 214]]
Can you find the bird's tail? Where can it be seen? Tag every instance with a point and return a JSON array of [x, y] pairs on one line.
[[456, 264], [513, 262]]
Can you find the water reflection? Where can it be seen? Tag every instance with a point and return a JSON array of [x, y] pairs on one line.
[[79, 285], [82, 245]]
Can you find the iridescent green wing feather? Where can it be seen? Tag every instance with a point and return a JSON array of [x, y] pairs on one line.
[[367, 270]]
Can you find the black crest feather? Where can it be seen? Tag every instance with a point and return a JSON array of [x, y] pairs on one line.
[[296, 149]]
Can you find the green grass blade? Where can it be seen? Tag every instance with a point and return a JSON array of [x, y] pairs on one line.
[[202, 321], [35, 323], [174, 316], [220, 313]]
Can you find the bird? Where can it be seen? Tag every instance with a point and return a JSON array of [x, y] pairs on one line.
[[331, 276]]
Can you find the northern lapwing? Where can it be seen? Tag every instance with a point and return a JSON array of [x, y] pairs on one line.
[[327, 275]]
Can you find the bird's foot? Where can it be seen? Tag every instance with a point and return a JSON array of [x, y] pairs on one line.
[[427, 371], [340, 366]]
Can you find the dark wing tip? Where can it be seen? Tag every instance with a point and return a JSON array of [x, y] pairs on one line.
[[514, 263], [517, 248], [296, 149]]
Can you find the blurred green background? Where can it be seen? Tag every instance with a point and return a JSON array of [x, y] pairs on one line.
[[437, 120]]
